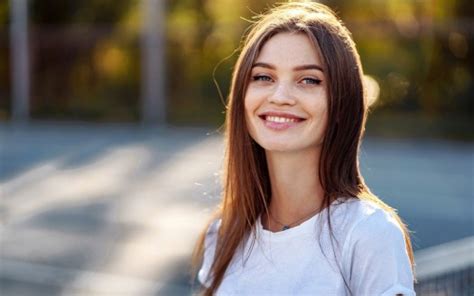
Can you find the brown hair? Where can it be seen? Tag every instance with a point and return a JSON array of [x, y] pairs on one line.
[[246, 182]]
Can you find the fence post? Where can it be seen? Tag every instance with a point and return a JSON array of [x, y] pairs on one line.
[[19, 58], [153, 102]]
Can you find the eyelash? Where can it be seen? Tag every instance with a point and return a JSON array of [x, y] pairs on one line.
[[313, 80], [261, 78], [268, 78]]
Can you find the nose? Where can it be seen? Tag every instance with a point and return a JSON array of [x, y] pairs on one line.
[[282, 94]]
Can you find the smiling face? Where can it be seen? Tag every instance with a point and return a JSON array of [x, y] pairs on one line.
[[286, 98]]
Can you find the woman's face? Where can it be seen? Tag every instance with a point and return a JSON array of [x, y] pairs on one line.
[[286, 98]]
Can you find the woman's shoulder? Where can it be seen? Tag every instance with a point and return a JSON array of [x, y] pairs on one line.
[[212, 232], [375, 240], [209, 250], [367, 225], [354, 219], [214, 226], [363, 213]]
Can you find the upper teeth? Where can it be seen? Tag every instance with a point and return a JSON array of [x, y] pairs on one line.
[[280, 119]]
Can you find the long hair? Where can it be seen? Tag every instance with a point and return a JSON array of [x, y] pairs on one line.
[[246, 181]]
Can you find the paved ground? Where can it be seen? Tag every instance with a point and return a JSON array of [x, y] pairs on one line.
[[115, 209]]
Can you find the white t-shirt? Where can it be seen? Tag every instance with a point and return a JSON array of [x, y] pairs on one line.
[[371, 255]]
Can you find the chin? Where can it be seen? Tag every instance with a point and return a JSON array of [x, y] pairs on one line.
[[287, 145], [279, 146]]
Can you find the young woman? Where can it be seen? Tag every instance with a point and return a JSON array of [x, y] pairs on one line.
[[296, 217]]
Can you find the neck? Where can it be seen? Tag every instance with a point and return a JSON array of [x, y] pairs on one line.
[[296, 190]]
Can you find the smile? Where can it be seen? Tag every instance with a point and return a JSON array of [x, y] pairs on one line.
[[280, 119], [280, 122]]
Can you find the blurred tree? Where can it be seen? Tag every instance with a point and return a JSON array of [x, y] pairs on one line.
[[399, 42], [73, 12], [86, 59]]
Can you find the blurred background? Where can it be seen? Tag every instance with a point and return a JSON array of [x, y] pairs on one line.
[[111, 147]]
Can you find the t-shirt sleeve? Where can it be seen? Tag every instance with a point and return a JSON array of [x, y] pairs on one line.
[[209, 250], [375, 258]]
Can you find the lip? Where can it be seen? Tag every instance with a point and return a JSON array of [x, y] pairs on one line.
[[280, 126], [281, 114]]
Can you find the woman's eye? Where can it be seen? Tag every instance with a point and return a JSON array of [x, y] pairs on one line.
[[312, 81], [261, 78]]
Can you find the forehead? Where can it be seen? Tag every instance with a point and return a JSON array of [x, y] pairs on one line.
[[289, 49]]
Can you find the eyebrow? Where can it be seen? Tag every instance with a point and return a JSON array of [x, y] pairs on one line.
[[297, 68]]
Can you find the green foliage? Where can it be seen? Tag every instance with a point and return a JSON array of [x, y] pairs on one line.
[[4, 15], [86, 57], [69, 12], [420, 54]]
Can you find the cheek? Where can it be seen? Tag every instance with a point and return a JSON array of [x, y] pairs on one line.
[[251, 105], [324, 117], [324, 121], [248, 110], [318, 108], [319, 113], [250, 102], [322, 104]]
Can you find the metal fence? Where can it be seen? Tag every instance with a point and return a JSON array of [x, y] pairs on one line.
[[447, 269]]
